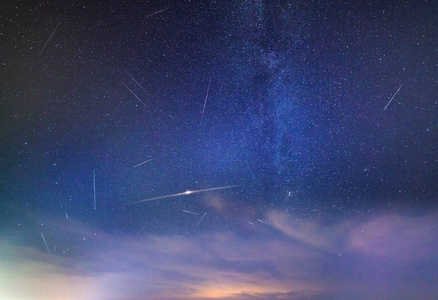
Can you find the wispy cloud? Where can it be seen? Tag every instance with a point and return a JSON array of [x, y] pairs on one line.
[[388, 236]]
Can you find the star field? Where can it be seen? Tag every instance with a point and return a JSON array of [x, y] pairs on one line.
[[234, 149]]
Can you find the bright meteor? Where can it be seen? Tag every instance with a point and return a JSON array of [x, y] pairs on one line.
[[188, 192]]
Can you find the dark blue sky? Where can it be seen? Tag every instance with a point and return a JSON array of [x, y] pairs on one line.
[[324, 114]]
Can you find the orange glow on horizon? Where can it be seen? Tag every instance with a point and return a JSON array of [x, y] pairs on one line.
[[228, 290]]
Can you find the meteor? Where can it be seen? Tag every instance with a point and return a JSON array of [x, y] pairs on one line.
[[134, 94], [201, 220], [189, 212], [53, 32], [143, 163], [188, 192], [205, 102], [135, 80], [45, 243], [393, 96], [156, 13], [94, 188]]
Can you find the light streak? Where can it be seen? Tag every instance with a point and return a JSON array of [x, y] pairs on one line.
[[134, 94], [143, 163], [200, 220], [189, 212], [45, 243], [205, 102], [188, 192], [53, 32], [393, 96]]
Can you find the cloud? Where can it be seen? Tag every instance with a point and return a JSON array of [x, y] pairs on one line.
[[387, 236], [397, 237], [378, 257]]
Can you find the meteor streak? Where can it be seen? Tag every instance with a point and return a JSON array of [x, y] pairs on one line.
[[53, 32], [156, 13], [393, 96], [201, 220], [135, 80], [189, 212], [188, 192], [142, 228], [45, 243], [94, 188], [134, 94], [205, 102], [143, 163]]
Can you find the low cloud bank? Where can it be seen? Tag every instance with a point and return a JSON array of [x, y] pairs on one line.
[[386, 257]]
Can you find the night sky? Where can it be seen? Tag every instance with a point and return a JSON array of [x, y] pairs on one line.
[[297, 140]]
